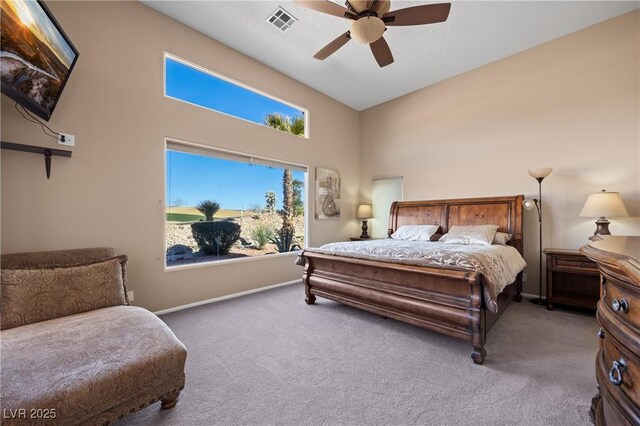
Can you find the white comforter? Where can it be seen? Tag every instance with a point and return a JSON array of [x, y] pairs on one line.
[[499, 265]]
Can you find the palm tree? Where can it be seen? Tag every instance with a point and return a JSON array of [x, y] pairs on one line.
[[208, 208], [287, 200], [295, 125], [277, 121]]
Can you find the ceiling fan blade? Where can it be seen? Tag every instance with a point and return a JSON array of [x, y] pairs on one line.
[[418, 15], [381, 52], [332, 47], [328, 7]]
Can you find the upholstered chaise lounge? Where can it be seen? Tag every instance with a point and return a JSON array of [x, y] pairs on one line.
[[73, 351]]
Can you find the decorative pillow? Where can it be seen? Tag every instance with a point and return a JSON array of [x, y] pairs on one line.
[[415, 232], [502, 238], [468, 235], [33, 295]]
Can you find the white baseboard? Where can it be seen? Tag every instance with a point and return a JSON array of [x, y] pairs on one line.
[[229, 296]]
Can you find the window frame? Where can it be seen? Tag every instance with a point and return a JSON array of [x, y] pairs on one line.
[[237, 83], [163, 204]]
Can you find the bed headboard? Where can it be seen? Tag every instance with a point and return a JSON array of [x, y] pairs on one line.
[[506, 212]]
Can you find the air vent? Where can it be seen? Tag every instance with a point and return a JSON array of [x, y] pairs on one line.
[[281, 19]]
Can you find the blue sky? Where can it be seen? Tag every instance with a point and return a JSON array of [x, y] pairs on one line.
[[194, 178], [235, 185], [192, 85]]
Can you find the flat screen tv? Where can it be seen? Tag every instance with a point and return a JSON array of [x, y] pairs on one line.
[[36, 56]]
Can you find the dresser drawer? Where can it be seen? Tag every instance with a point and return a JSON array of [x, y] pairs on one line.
[[574, 263], [614, 416], [620, 369], [623, 300]]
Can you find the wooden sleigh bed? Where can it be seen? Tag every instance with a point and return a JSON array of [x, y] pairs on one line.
[[448, 301]]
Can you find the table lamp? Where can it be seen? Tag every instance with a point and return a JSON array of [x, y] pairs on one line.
[[603, 204], [364, 212]]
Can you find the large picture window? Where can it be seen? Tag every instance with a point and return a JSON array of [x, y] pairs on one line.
[[195, 85], [224, 205]]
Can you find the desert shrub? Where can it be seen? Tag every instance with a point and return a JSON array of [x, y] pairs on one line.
[[211, 236], [208, 208], [285, 240], [261, 235]]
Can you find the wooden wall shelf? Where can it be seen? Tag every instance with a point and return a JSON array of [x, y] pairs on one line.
[[47, 152]]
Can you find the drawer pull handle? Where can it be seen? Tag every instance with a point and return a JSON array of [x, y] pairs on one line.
[[600, 333], [615, 374], [618, 305]]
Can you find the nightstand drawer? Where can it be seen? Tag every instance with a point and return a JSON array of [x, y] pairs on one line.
[[574, 262]]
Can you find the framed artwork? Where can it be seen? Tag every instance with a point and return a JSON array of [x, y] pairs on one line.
[[327, 194]]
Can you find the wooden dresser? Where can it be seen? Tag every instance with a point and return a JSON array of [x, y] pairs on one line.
[[618, 360]]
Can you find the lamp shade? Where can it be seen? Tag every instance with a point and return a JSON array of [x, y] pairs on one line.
[[365, 211], [540, 173], [367, 30], [602, 204]]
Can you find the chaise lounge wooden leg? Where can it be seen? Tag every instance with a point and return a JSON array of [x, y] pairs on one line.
[[310, 299], [170, 401], [478, 355]]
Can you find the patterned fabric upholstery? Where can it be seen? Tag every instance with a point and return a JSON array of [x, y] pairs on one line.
[[83, 354], [86, 364], [32, 295], [55, 259], [476, 234]]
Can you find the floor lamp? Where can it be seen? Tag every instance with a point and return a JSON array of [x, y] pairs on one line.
[[539, 175]]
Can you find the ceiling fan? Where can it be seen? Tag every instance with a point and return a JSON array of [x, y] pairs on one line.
[[371, 19]]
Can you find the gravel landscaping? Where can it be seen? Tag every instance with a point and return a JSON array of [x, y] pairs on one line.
[[180, 233]]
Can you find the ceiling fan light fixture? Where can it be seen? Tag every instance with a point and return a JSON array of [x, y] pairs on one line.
[[367, 30], [358, 5]]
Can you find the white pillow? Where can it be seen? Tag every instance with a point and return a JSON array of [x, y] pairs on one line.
[[502, 238], [415, 232], [477, 235]]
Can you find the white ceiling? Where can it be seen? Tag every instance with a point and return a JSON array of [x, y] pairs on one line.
[[476, 33]]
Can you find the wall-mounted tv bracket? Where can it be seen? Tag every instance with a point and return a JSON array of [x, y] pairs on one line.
[[47, 152]]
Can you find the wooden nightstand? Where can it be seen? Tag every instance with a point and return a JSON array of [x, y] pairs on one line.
[[572, 279], [365, 239]]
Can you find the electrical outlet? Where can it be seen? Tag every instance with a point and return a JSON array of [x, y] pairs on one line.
[[524, 277], [67, 140], [130, 296]]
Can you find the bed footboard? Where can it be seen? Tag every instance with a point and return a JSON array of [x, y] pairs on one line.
[[443, 300]]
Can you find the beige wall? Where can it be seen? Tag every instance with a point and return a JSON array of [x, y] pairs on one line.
[[112, 191], [571, 104]]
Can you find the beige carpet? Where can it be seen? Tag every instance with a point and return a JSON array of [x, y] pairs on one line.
[[269, 359]]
